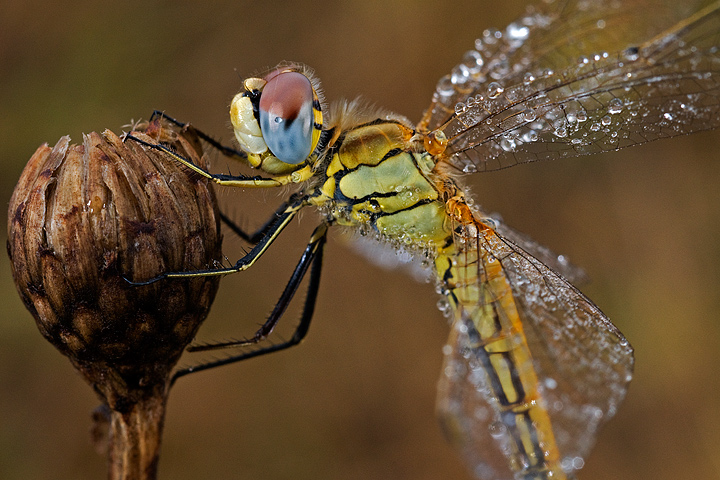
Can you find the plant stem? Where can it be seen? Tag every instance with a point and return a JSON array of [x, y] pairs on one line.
[[135, 437]]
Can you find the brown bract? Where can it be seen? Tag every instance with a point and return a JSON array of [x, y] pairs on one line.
[[82, 220]]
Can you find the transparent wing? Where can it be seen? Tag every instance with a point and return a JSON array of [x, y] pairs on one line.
[[390, 257], [582, 362], [581, 77], [559, 263], [463, 407]]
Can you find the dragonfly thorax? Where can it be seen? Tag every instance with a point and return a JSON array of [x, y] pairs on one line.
[[379, 179]]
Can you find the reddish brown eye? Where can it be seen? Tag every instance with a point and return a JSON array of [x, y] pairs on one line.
[[286, 115]]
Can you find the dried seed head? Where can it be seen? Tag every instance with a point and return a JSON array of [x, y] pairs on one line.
[[85, 217]]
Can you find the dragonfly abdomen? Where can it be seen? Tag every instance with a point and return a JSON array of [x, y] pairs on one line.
[[484, 309]]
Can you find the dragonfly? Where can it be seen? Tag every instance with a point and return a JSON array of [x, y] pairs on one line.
[[532, 367]]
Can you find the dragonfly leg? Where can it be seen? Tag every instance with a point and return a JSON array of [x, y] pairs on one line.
[[219, 178], [224, 149], [258, 234], [311, 258], [277, 223], [252, 238]]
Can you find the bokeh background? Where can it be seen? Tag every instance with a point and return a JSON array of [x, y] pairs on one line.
[[356, 399]]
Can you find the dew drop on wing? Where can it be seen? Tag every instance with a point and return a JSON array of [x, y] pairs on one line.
[[615, 106], [517, 33], [473, 60], [445, 86], [494, 90]]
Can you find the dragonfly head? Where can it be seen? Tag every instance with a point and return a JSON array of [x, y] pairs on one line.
[[277, 119]]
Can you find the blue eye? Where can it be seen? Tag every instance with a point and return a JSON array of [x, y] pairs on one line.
[[286, 116]]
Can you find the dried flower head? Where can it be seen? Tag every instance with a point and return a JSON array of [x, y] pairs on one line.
[[82, 219]]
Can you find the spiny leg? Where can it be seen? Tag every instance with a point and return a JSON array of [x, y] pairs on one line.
[[281, 219], [224, 149], [312, 256], [262, 238], [256, 236], [219, 178], [316, 242]]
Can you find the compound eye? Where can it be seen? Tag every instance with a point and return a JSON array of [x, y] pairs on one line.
[[286, 116]]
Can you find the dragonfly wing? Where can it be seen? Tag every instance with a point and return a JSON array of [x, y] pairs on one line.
[[464, 410], [559, 263], [390, 257], [581, 78], [582, 362]]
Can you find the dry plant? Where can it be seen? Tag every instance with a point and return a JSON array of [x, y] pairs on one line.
[[85, 219]]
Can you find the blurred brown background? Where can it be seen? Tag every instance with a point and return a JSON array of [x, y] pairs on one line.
[[356, 399]]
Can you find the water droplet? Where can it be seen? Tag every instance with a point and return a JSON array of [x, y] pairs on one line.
[[517, 31], [460, 108], [615, 106], [581, 115], [528, 78], [445, 86], [561, 132], [507, 144], [551, 383], [595, 126], [529, 115], [473, 61], [667, 116], [492, 223], [600, 24], [497, 429], [491, 36], [469, 168], [540, 125], [631, 54], [606, 120], [529, 136], [460, 74], [583, 60], [494, 90], [95, 205]]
